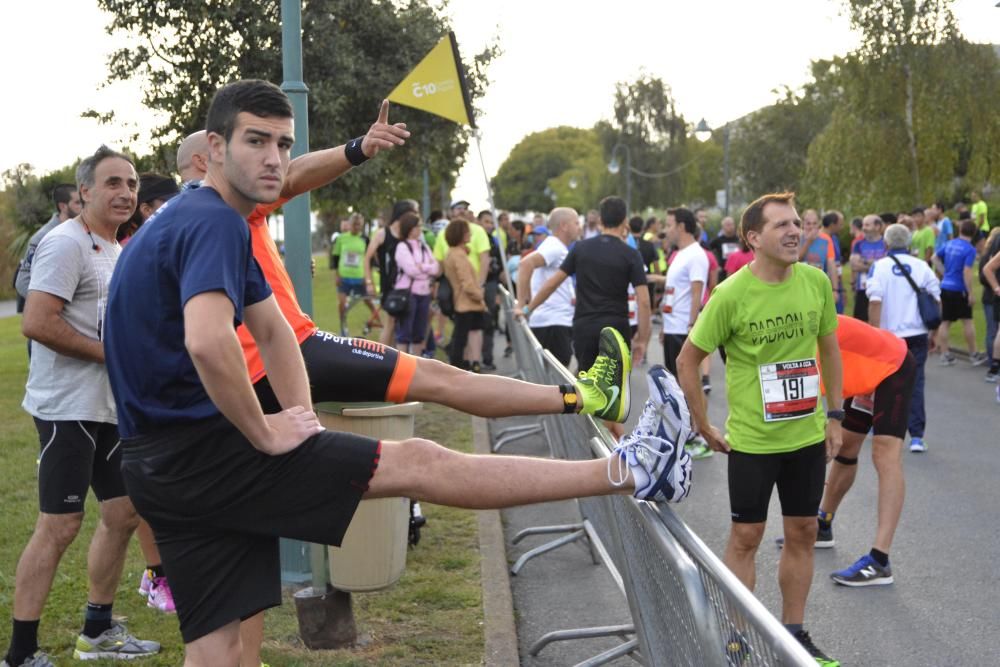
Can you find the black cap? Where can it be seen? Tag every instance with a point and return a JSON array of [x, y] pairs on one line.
[[156, 186]]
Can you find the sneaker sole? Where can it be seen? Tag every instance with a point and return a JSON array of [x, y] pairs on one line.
[[881, 581], [827, 544], [105, 655], [162, 611]]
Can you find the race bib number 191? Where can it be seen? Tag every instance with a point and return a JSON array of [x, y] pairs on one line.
[[790, 389]]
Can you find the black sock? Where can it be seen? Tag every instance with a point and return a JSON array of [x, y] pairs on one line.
[[793, 627], [156, 570], [880, 557], [23, 642], [995, 366], [97, 619]]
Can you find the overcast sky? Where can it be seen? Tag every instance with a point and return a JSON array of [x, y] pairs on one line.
[[560, 62]]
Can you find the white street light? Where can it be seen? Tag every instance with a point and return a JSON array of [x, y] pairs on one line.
[[702, 131]]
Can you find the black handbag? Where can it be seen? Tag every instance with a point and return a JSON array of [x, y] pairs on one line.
[[930, 309], [397, 302]]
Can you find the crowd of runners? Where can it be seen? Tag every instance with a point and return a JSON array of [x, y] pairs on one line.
[[173, 371]]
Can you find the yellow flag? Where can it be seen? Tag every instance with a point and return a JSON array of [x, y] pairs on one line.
[[437, 84]]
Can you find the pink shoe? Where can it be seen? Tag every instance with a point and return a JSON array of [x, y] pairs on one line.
[[160, 596], [145, 583]]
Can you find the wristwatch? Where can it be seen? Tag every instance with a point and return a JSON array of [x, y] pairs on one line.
[[526, 311], [835, 414]]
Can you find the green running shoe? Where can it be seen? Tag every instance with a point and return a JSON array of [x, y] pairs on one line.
[[115, 642], [604, 386], [821, 658]]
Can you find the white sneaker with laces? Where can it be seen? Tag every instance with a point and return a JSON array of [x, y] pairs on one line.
[[660, 467]]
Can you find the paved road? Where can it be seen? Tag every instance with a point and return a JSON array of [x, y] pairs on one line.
[[943, 608]]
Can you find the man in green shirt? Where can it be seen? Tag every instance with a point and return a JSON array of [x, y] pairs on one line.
[[349, 271], [772, 316], [922, 243], [980, 213]]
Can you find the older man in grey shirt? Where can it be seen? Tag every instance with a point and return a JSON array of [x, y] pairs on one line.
[[69, 397]]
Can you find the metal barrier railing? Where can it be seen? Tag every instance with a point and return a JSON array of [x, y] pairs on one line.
[[686, 605]]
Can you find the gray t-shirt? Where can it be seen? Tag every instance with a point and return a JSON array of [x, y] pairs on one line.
[[23, 277], [66, 265]]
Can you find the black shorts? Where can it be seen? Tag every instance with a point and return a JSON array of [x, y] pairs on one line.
[[217, 507], [955, 306], [556, 339], [890, 405], [348, 369], [672, 344], [799, 475], [75, 456], [587, 336]]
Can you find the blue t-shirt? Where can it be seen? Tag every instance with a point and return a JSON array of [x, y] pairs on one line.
[[946, 230], [816, 255], [195, 243], [957, 255], [869, 251]]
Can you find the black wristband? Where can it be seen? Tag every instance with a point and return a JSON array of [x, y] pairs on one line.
[[353, 151]]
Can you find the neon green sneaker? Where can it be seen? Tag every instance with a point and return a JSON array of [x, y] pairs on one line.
[[821, 658], [115, 642], [604, 386]]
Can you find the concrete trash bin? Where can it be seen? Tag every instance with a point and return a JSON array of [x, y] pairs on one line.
[[373, 554]]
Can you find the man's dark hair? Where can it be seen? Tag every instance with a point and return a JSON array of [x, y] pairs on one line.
[[436, 214], [404, 206], [940, 206], [685, 217], [260, 98], [965, 215], [635, 224], [156, 186], [484, 213], [62, 193], [518, 225], [455, 232], [967, 228], [888, 218], [917, 210], [613, 212], [753, 217], [88, 166], [857, 223], [830, 219], [650, 221]]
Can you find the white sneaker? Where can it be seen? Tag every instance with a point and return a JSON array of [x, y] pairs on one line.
[[918, 446], [653, 452]]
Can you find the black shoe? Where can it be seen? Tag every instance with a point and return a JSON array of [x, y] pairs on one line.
[[737, 650], [487, 366], [824, 537], [508, 352], [807, 643], [476, 367]]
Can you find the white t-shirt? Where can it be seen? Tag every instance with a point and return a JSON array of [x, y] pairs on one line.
[[900, 313], [690, 265], [557, 310], [62, 388]]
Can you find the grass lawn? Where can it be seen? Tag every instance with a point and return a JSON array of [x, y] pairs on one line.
[[432, 616]]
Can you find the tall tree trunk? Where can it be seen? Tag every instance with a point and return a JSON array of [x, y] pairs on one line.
[[910, 134]]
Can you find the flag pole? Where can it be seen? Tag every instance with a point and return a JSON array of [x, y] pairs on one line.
[[493, 210]]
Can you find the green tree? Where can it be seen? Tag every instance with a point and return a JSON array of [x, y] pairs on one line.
[[539, 158], [769, 147], [912, 115], [646, 119], [354, 54]]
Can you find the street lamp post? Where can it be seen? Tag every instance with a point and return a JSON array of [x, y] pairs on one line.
[[614, 168], [703, 132]]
